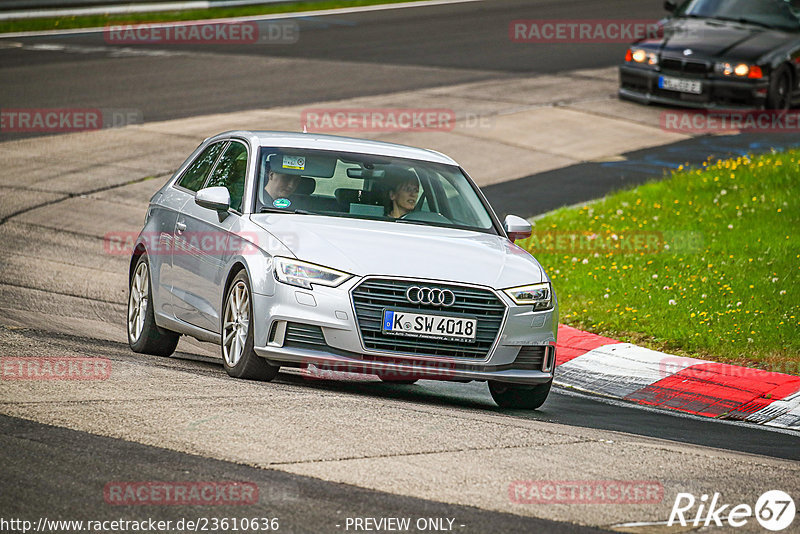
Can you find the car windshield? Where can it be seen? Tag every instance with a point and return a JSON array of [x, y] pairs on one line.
[[778, 14], [361, 186]]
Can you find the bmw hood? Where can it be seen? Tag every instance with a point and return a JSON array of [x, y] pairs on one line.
[[364, 247], [715, 39]]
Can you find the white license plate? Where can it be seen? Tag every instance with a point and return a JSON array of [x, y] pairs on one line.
[[679, 84], [429, 326]]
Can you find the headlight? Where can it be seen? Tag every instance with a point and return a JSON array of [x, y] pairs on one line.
[[304, 274], [740, 70], [637, 55], [540, 296]]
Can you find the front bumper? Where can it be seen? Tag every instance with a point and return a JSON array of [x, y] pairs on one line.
[[318, 327], [640, 84]]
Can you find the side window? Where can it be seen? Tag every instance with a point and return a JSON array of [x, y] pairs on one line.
[[230, 173], [195, 175]]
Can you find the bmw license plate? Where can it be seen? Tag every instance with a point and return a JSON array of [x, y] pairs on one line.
[[442, 327], [679, 84]]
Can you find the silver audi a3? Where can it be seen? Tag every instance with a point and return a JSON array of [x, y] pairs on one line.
[[332, 253]]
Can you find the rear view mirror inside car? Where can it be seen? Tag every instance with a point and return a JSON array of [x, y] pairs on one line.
[[366, 174]]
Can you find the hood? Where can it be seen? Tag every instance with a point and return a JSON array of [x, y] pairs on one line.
[[363, 247], [716, 39]]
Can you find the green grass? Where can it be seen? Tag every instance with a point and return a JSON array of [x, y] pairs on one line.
[[705, 263], [96, 21]]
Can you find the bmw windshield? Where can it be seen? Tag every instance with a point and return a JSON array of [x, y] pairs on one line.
[[776, 14], [343, 184]]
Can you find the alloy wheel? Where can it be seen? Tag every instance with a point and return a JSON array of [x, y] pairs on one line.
[[137, 302], [236, 323]]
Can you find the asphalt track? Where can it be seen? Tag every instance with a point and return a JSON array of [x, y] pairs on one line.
[[82, 464], [59, 471], [335, 57]]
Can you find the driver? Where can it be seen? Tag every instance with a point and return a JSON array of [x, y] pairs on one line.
[[280, 186], [402, 192]]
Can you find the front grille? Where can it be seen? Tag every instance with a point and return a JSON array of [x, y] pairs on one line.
[[372, 296], [684, 67], [304, 335]]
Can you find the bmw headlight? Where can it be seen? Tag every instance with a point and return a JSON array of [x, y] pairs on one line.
[[741, 70], [638, 55], [304, 274], [540, 296]]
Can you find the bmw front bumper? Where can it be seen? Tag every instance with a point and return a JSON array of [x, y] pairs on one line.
[[640, 84]]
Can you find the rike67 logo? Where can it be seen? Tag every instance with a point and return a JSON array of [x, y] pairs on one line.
[[774, 510]]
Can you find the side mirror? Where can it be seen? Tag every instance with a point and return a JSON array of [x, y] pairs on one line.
[[214, 198], [670, 5], [517, 227]]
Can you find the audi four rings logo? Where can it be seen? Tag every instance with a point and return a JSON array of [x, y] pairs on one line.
[[432, 296]]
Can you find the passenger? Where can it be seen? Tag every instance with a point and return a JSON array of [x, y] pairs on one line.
[[402, 192]]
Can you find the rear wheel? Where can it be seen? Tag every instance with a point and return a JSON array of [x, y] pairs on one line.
[[144, 335], [238, 356], [780, 89], [519, 396]]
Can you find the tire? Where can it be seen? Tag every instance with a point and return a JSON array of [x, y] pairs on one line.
[[518, 396], [144, 335], [779, 95], [238, 356]]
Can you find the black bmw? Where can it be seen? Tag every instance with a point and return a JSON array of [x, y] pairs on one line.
[[719, 54]]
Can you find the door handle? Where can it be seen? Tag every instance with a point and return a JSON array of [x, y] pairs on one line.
[[180, 227]]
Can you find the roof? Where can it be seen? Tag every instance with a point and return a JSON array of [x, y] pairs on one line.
[[341, 144]]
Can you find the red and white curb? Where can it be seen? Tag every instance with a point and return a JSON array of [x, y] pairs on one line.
[[608, 367]]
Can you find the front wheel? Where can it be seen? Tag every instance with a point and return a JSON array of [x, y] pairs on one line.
[[238, 356], [144, 335], [780, 90], [518, 396]]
